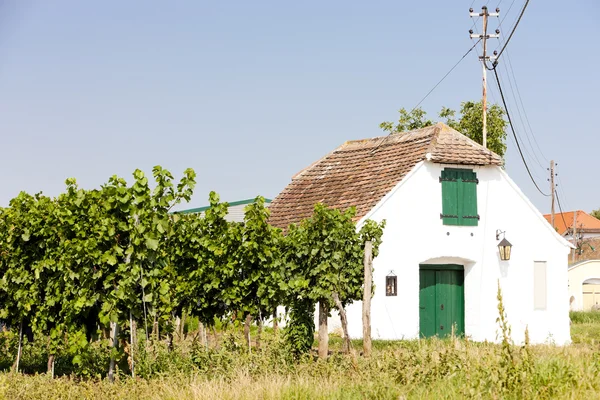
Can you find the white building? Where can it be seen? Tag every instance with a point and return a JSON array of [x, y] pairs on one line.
[[447, 202], [584, 285], [235, 212]]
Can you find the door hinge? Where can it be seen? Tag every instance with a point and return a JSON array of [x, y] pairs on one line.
[[476, 181], [471, 217], [447, 180]]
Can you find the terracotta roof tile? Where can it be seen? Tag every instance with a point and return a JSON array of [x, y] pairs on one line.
[[585, 222], [360, 172]]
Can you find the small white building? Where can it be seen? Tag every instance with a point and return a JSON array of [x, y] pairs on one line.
[[448, 203], [584, 285], [235, 212]]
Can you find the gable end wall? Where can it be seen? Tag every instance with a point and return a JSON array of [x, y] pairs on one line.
[[415, 235]]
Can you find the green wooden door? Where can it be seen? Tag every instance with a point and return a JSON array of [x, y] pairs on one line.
[[441, 300]]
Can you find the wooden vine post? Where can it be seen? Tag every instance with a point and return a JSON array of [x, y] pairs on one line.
[[50, 366], [115, 339], [133, 343], [20, 349], [366, 310], [323, 332], [247, 323]]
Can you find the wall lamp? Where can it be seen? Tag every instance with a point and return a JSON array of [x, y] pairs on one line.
[[504, 247]]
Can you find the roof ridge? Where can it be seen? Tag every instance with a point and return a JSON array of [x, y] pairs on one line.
[[434, 140], [361, 172]]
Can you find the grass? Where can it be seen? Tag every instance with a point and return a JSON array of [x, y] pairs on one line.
[[585, 328], [585, 317], [432, 368]]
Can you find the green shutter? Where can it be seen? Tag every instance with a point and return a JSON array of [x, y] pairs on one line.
[[459, 197], [468, 215], [449, 197]]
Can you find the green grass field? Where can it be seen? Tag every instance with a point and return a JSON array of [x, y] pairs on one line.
[[428, 369]]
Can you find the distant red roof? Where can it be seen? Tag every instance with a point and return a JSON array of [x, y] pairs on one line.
[[584, 222]]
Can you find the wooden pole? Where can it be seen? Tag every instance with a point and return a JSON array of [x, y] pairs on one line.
[[20, 348], [323, 333], [182, 327], [366, 310], [201, 334], [132, 343], [574, 236], [111, 367], [50, 366], [344, 320], [552, 192], [484, 80], [259, 333], [275, 321], [247, 323]]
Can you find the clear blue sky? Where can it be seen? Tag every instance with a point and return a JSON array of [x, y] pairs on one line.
[[249, 92]]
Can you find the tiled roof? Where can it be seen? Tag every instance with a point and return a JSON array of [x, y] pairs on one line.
[[360, 172], [585, 222]]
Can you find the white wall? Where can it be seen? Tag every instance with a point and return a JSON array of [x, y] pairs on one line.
[[578, 274], [415, 235]]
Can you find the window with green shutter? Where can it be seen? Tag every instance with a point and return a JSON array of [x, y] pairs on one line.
[[459, 197]]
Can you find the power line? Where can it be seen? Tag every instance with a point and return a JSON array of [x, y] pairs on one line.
[[562, 214], [444, 77], [428, 93], [535, 158], [507, 12], [512, 32], [560, 186], [494, 68], [526, 151], [523, 107], [514, 78], [516, 88], [515, 135]]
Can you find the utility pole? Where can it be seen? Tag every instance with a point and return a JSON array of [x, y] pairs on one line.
[[552, 192], [484, 36], [574, 236]]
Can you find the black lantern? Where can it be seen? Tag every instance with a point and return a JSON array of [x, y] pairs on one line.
[[391, 284], [504, 247]]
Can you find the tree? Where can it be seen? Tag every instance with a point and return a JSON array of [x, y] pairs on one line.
[[203, 254], [260, 275], [595, 213], [469, 123], [25, 276], [324, 254]]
